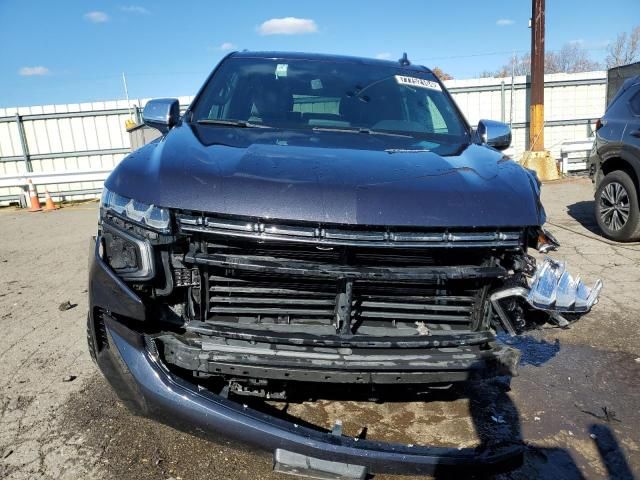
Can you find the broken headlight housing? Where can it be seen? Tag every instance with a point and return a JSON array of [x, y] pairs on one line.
[[157, 218], [129, 256], [127, 225]]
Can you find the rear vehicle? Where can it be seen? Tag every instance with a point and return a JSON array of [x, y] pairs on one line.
[[615, 165], [317, 221]]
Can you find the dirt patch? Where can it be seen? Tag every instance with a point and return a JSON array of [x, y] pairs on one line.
[[129, 446]]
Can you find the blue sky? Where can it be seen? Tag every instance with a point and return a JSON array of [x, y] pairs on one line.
[[76, 50]]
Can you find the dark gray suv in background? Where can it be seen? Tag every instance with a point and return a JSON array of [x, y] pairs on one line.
[[615, 165]]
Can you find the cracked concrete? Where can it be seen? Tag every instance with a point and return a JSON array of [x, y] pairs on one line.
[[51, 428]]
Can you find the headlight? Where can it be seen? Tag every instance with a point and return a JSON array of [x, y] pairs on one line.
[[129, 256], [142, 213]]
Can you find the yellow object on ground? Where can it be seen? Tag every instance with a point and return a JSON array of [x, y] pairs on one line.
[[543, 164]]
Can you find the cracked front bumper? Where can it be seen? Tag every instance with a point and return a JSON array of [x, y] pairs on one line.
[[148, 388]]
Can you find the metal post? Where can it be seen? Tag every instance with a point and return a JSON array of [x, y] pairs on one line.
[[138, 113], [502, 101], [24, 144], [513, 87], [536, 109], [126, 92]]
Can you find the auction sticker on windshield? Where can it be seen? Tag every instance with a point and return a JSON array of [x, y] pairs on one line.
[[418, 82]]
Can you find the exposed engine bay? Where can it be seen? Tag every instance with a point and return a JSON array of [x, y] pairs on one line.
[[256, 306]]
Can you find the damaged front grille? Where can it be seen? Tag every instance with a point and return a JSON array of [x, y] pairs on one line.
[[344, 290], [279, 302], [451, 306], [341, 306], [262, 299]]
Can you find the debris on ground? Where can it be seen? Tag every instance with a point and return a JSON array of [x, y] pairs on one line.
[[66, 306], [6, 454], [69, 378], [607, 414], [422, 328]]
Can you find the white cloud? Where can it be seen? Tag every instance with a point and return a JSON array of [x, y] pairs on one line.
[[135, 9], [383, 56], [287, 26], [227, 46], [96, 17], [504, 22], [32, 71]]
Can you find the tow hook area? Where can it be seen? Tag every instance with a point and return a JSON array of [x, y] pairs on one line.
[[552, 290]]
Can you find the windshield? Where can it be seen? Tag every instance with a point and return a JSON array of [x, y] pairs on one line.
[[335, 95]]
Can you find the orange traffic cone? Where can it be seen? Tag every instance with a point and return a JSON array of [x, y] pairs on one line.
[[49, 206], [35, 202]]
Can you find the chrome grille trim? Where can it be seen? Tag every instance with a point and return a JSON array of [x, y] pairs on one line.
[[333, 236]]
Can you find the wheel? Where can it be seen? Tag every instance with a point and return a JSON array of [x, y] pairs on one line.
[[616, 207]]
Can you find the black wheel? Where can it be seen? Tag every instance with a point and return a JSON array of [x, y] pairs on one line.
[[616, 207]]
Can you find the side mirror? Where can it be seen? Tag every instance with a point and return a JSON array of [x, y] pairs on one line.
[[161, 113], [495, 134]]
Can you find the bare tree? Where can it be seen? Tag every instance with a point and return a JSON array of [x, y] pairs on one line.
[[625, 49], [571, 58], [438, 72], [516, 66]]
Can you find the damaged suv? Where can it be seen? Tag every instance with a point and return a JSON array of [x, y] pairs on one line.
[[316, 220]]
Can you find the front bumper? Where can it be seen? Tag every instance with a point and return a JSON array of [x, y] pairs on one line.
[[148, 388], [130, 363]]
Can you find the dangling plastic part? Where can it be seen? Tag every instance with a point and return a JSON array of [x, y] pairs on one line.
[[553, 288]]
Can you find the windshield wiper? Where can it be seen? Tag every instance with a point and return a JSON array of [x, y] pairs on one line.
[[230, 123], [367, 131]]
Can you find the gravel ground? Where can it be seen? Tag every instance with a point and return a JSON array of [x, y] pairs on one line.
[[575, 403]]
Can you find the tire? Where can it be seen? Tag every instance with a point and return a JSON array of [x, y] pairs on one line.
[[616, 207]]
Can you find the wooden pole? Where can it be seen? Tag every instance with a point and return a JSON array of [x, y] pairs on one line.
[[536, 108]]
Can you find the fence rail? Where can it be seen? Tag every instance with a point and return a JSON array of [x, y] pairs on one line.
[[72, 148]]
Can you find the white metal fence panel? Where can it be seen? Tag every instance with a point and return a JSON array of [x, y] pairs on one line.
[[573, 102], [83, 140]]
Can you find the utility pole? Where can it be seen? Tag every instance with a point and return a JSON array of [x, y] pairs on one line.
[[536, 108], [537, 158]]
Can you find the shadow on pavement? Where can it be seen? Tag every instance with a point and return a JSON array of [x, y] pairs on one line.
[[582, 212], [489, 401], [533, 351], [612, 455]]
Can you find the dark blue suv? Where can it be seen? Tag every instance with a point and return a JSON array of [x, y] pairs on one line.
[[615, 165], [317, 222]]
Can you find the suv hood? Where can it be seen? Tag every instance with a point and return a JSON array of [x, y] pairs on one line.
[[329, 177]]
